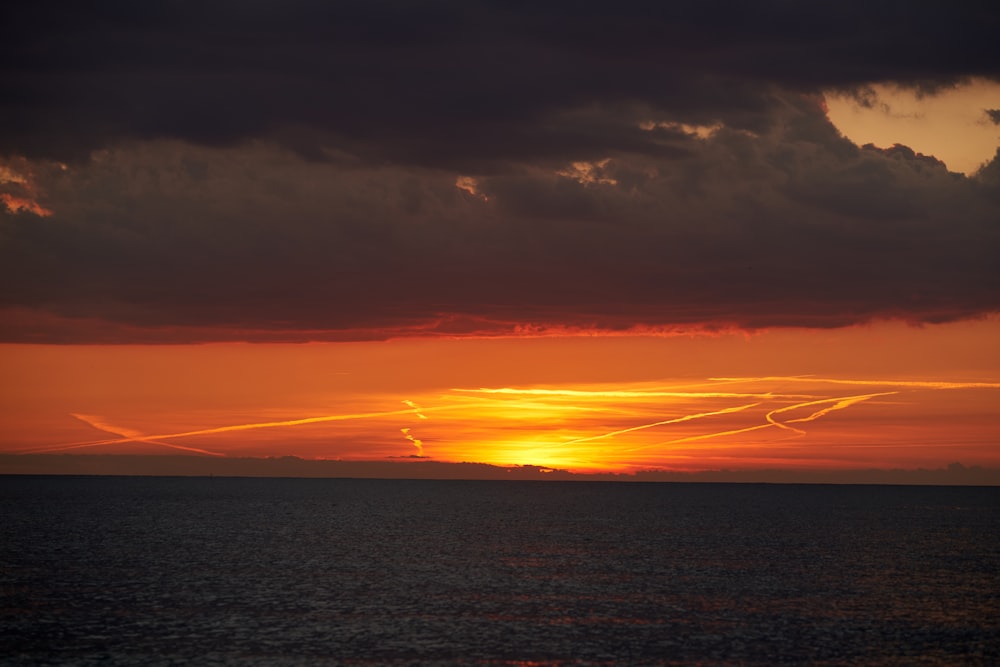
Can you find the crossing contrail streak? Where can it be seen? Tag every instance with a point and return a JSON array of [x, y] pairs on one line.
[[416, 408], [132, 435], [675, 420], [774, 422], [128, 435], [236, 427], [839, 403]]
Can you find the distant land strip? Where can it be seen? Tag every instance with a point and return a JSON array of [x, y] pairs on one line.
[[170, 465]]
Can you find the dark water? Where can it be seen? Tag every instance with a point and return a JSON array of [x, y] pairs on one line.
[[362, 572]]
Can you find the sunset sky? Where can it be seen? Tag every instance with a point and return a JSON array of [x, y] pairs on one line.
[[598, 237]]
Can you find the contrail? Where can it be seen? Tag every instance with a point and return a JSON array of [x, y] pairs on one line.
[[771, 421], [587, 393], [675, 420], [133, 435], [240, 427], [416, 441], [416, 408], [272, 424], [704, 436], [920, 384], [840, 403]]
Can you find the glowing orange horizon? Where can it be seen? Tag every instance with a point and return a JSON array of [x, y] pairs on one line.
[[881, 397], [567, 425]]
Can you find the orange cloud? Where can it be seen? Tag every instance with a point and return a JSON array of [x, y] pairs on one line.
[[23, 182], [19, 204], [470, 185]]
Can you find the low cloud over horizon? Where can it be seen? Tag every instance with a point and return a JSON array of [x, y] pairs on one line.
[[368, 171]]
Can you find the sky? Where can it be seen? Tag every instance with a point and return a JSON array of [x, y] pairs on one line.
[[583, 236]]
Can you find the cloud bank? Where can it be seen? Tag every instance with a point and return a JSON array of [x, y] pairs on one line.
[[309, 171]]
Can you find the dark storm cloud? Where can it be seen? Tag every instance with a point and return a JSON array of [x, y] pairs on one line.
[[361, 170], [451, 83], [795, 227]]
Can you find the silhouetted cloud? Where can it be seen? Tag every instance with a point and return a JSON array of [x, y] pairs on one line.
[[311, 170]]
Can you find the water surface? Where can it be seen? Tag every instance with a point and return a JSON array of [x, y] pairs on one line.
[[158, 571]]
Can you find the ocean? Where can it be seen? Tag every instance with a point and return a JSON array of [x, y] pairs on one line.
[[243, 571]]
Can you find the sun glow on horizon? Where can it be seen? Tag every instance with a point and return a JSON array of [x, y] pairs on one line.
[[883, 397], [607, 429]]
